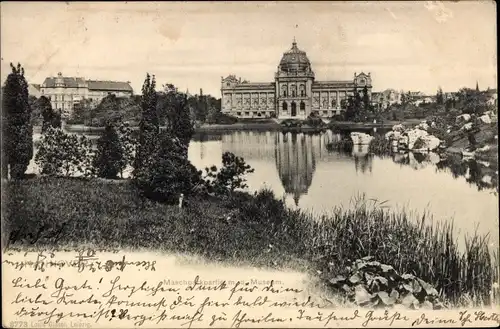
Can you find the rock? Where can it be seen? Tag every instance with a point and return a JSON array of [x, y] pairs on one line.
[[398, 127], [413, 135], [467, 126], [395, 135], [426, 143], [361, 138], [485, 119], [434, 158], [486, 179], [423, 126], [485, 148], [463, 118]]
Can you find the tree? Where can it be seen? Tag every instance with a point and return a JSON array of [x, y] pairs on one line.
[[108, 160], [106, 112], [149, 127], [439, 97], [230, 177], [472, 101], [366, 100], [18, 132], [166, 172], [81, 112], [50, 117], [179, 121], [128, 144], [63, 154]]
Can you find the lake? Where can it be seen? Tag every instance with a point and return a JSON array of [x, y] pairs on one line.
[[300, 168]]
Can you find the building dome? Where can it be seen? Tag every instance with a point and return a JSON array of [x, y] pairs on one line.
[[295, 60]]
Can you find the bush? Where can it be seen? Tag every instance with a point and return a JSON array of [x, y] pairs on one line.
[[166, 173], [62, 154], [313, 120], [380, 145], [230, 177], [108, 160], [345, 144], [221, 119], [371, 284]]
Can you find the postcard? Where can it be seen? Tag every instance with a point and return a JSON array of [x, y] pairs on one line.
[[249, 164]]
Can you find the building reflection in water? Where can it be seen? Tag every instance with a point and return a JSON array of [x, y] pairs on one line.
[[363, 161], [296, 161]]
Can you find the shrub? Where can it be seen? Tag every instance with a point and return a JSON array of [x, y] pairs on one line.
[[345, 144], [221, 119], [380, 145], [166, 172], [372, 284], [313, 120], [230, 177], [62, 154], [108, 160]]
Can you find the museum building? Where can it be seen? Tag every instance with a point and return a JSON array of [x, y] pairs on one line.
[[293, 94]]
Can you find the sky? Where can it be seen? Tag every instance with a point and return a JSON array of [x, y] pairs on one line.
[[405, 45]]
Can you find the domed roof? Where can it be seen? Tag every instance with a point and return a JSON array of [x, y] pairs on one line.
[[295, 60]]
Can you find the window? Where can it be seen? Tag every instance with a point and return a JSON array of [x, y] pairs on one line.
[[302, 90], [254, 113], [293, 93], [302, 106], [325, 112], [285, 107], [238, 113], [228, 84], [247, 113], [334, 103]]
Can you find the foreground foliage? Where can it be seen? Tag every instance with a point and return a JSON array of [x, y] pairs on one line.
[[63, 154], [371, 284], [256, 229]]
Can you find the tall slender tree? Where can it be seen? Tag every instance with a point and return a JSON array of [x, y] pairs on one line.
[[149, 127], [17, 136], [366, 99], [440, 97], [50, 117]]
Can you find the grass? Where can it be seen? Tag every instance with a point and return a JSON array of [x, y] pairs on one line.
[[256, 229]]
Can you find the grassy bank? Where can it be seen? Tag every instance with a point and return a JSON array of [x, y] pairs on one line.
[[243, 228]]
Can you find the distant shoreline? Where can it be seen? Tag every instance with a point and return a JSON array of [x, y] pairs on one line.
[[263, 126]]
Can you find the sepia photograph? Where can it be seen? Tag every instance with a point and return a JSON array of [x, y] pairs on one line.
[[267, 164]]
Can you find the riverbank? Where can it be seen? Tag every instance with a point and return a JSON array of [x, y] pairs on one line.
[[256, 230], [263, 125]]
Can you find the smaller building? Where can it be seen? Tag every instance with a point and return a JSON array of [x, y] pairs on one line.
[[65, 92], [34, 90], [383, 99]]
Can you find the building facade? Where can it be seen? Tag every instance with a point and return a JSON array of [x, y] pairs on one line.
[[65, 92], [294, 93]]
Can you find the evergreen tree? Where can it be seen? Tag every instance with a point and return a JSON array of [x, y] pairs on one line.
[[50, 117], [17, 148], [108, 160], [179, 121], [149, 127], [439, 97], [366, 99]]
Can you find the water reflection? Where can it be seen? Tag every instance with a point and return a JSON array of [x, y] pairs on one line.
[[296, 162]]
